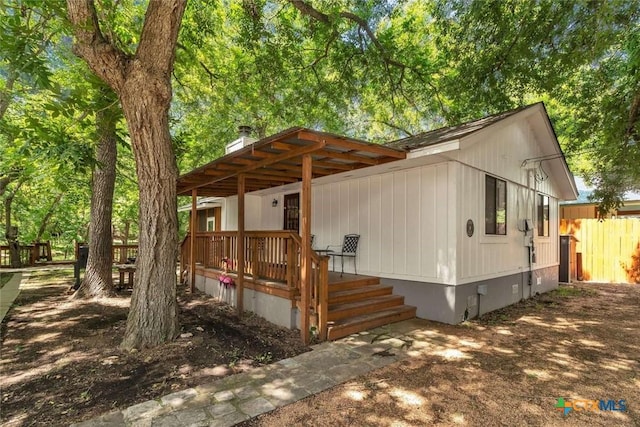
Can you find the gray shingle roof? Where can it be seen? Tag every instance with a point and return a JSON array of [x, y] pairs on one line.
[[450, 133]]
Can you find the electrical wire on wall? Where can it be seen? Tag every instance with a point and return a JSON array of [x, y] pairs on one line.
[[540, 174]]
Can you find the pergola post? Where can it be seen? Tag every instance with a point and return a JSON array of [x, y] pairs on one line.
[[305, 256], [240, 246], [193, 227]]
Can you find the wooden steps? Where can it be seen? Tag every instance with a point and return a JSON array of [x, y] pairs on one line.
[[357, 283], [352, 325], [365, 306], [358, 303], [337, 297]]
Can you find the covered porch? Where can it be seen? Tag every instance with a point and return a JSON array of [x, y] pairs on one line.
[[274, 262]]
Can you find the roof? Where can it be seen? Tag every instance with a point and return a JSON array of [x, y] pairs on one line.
[[450, 133], [202, 203], [585, 191], [277, 160], [539, 121]]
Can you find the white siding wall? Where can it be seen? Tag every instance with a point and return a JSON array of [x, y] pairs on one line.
[[402, 217], [272, 217], [253, 212], [501, 153]]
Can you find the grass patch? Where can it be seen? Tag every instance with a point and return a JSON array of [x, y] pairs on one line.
[[568, 291], [4, 279]]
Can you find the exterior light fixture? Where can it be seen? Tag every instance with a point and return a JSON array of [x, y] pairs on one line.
[[274, 203]]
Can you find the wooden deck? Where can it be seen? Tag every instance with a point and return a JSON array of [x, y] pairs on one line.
[[334, 305], [356, 302]]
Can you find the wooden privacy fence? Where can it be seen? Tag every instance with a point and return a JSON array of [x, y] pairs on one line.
[[609, 249]]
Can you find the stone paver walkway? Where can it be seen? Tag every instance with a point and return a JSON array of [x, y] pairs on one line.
[[10, 291], [239, 397]]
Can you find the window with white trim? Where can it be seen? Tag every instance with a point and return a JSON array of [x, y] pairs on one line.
[[495, 206], [543, 215]]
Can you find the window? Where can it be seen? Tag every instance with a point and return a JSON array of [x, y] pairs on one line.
[[543, 215], [495, 206], [211, 223]]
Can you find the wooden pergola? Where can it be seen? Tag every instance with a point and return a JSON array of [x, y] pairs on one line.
[[294, 155]]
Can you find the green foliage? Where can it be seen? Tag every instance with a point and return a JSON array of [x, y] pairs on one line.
[[580, 57], [47, 131], [125, 199], [121, 22], [382, 70], [374, 70]]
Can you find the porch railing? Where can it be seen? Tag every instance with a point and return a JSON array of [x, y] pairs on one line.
[[123, 254], [27, 255], [270, 256]]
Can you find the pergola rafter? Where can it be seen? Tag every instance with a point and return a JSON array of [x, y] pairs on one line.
[[281, 156]]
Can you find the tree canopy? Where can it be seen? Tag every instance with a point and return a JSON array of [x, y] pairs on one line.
[[382, 70], [375, 70]]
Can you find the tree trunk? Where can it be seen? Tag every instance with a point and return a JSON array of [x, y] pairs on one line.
[[11, 233], [146, 110], [98, 280], [4, 181], [143, 84], [5, 95], [47, 217]]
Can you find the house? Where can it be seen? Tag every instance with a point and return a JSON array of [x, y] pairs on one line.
[[458, 221], [584, 208], [209, 213]]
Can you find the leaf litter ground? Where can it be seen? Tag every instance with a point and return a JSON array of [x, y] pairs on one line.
[[508, 368], [61, 362]]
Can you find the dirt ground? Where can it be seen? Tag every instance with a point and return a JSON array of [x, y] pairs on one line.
[[60, 362], [507, 369]]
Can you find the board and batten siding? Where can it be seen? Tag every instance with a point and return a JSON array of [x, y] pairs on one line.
[[500, 153], [253, 213], [403, 218]]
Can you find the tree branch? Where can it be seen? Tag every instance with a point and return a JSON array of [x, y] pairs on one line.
[[5, 95], [309, 10], [4, 181], [160, 33], [396, 127], [204, 66], [634, 116], [47, 217], [325, 54], [387, 59], [105, 60]]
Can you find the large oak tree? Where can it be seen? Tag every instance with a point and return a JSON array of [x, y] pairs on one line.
[[142, 82]]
